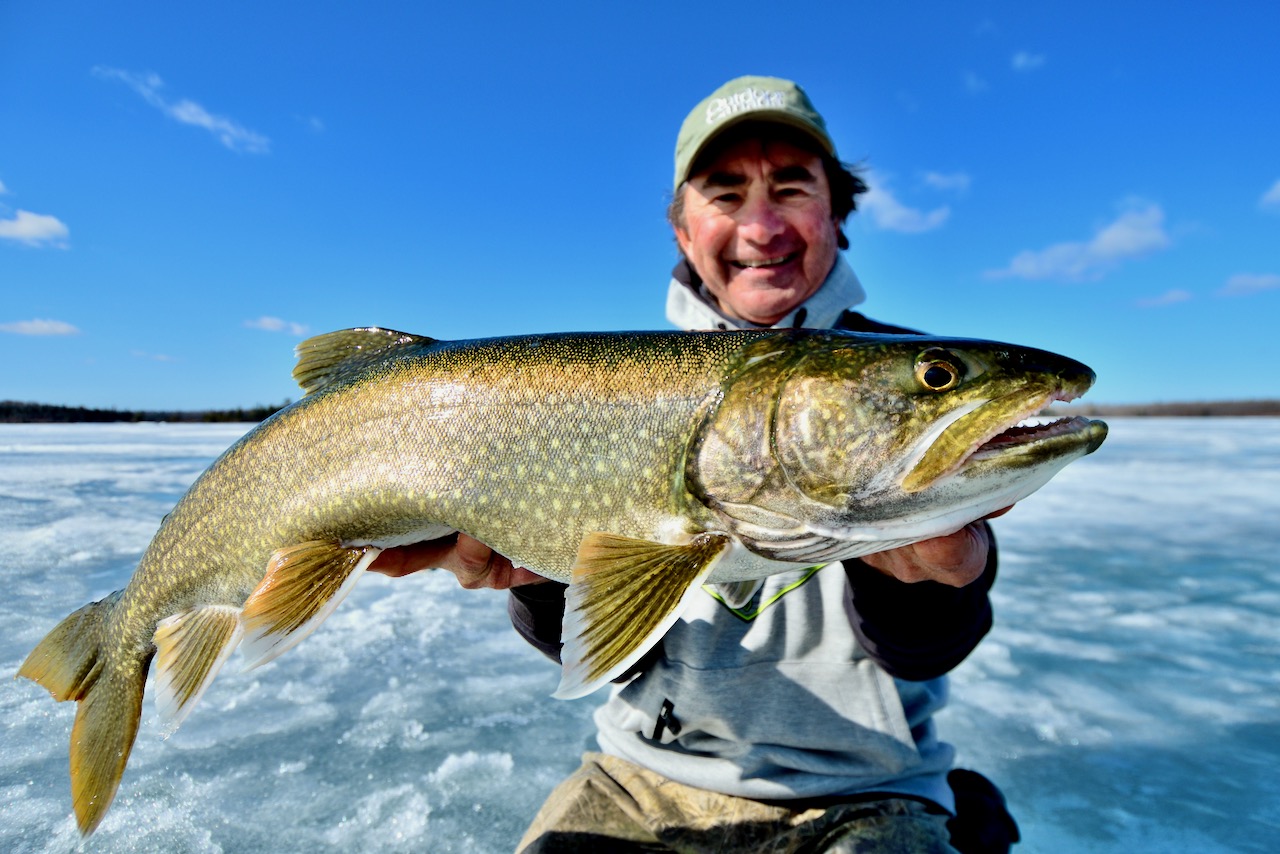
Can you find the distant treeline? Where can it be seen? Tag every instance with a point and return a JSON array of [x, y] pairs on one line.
[[1192, 409], [16, 412]]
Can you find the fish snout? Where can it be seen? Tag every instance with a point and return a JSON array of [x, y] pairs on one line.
[[1072, 378]]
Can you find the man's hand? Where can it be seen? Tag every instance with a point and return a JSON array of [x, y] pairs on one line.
[[474, 563], [956, 559]]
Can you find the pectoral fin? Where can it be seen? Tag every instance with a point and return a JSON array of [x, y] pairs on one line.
[[303, 584], [190, 650], [623, 597]]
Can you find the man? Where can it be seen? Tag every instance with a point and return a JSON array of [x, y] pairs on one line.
[[801, 720]]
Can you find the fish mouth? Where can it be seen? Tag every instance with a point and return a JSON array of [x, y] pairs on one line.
[[1002, 429], [1021, 435]]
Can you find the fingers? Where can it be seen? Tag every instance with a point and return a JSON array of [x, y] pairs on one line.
[[405, 560], [474, 563], [956, 559], [501, 575], [476, 566]]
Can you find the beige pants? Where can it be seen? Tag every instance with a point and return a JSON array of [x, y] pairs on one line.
[[610, 805]]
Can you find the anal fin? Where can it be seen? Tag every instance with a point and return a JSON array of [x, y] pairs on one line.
[[624, 595], [191, 648], [303, 584]]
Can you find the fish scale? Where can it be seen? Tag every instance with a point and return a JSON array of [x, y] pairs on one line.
[[634, 466]]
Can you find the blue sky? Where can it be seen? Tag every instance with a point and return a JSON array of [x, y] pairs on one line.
[[186, 192]]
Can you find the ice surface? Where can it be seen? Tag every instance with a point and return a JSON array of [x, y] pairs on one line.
[[1128, 698]]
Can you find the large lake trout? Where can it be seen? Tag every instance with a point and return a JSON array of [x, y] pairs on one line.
[[635, 466]]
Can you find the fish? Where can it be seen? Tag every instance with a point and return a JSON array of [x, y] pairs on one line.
[[635, 466]]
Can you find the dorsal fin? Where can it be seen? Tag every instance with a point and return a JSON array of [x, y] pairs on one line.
[[324, 358]]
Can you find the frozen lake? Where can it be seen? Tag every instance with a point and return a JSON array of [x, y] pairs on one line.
[[1128, 698]]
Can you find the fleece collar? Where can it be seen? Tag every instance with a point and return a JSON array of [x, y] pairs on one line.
[[689, 306]]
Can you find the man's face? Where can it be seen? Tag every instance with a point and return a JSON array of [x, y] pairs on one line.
[[758, 228]]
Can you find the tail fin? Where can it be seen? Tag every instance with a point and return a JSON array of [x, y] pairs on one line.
[[66, 661], [70, 662], [101, 740]]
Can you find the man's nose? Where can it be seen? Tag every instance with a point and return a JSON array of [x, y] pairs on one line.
[[761, 218]]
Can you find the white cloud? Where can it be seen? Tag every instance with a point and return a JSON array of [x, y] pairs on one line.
[[227, 131], [892, 215], [39, 327], [312, 123], [1271, 198], [974, 84], [3, 189], [1171, 297], [957, 181], [1244, 284], [151, 357], [275, 324], [1024, 61], [1137, 232], [35, 229]]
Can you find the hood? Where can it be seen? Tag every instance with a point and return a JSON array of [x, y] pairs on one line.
[[690, 307]]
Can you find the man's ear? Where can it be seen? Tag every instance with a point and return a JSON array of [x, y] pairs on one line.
[[842, 242], [682, 239]]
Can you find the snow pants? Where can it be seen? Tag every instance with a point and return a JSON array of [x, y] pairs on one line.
[[612, 805]]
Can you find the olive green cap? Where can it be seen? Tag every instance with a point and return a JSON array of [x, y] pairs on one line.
[[760, 99]]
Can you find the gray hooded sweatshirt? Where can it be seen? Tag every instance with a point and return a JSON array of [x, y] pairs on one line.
[[777, 699], [823, 685]]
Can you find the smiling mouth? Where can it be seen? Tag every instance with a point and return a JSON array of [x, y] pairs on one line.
[[744, 264]]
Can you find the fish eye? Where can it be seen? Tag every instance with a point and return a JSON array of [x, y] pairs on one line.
[[938, 370]]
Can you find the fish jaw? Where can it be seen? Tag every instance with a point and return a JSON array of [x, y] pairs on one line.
[[995, 432], [859, 454], [1000, 474]]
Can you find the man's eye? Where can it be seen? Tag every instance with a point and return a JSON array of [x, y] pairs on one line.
[[728, 198]]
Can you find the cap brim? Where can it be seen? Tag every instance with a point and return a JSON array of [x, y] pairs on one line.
[[763, 117]]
